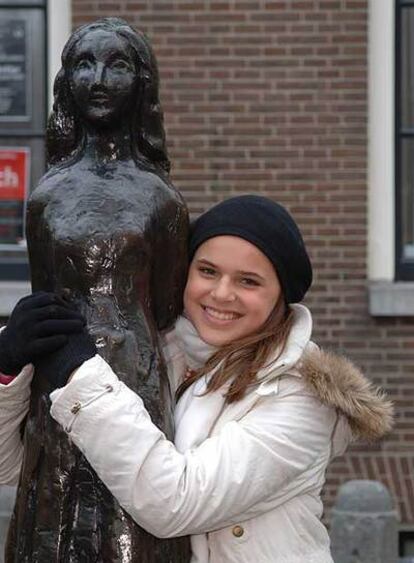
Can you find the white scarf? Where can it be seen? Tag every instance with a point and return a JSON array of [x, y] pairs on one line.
[[195, 350], [195, 412]]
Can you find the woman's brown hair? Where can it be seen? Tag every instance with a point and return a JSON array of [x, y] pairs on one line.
[[241, 360]]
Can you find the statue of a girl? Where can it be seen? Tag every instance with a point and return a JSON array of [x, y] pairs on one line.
[[107, 229]]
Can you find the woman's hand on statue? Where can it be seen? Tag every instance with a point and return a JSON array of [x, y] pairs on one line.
[[57, 366], [39, 324]]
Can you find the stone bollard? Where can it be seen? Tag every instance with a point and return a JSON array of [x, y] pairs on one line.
[[7, 496], [364, 524]]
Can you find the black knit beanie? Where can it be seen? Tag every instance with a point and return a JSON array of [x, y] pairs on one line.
[[267, 225]]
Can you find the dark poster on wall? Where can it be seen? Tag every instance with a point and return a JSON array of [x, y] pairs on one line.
[[14, 83]]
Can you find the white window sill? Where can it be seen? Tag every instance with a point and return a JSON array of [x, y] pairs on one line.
[[10, 293], [391, 299]]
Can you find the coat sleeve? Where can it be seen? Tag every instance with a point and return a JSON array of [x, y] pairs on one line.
[[14, 405], [228, 478]]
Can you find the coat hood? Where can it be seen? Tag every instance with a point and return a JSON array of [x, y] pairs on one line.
[[338, 383], [334, 379]]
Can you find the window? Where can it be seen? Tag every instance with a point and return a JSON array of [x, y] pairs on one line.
[[22, 123], [391, 284], [404, 140]]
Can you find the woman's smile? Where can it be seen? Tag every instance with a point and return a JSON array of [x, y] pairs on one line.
[[219, 315]]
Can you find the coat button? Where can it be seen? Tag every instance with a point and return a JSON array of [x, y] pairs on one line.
[[76, 408], [238, 531]]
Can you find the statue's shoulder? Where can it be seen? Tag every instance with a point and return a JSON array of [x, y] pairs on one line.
[[49, 182], [63, 171], [163, 190]]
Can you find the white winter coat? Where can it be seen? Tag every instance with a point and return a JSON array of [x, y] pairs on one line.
[[244, 479]]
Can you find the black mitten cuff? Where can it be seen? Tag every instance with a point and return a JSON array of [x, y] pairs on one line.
[[58, 366]]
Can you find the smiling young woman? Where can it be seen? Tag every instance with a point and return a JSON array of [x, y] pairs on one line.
[[257, 422]]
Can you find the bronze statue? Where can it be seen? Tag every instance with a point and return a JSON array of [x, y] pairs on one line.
[[107, 229]]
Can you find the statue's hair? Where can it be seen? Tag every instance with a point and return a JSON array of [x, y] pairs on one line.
[[65, 132]]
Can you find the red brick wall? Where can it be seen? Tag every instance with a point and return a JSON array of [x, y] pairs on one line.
[[271, 97]]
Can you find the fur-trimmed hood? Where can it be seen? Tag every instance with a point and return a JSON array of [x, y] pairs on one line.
[[338, 383], [335, 380]]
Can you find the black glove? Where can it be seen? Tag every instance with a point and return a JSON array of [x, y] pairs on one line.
[[39, 324], [57, 366]]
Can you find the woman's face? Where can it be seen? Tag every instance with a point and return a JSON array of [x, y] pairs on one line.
[[103, 77], [231, 290]]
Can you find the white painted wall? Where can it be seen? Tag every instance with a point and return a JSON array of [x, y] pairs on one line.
[[59, 26], [381, 195]]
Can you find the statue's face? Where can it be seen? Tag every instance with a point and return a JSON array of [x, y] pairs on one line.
[[103, 77]]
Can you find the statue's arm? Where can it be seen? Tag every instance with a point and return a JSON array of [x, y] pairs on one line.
[[169, 271], [14, 405]]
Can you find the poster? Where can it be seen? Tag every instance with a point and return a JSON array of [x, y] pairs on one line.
[[14, 185], [14, 81]]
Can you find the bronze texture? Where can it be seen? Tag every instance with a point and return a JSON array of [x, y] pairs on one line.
[[106, 228]]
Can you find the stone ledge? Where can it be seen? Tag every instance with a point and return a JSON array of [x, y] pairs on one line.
[[391, 299], [10, 293]]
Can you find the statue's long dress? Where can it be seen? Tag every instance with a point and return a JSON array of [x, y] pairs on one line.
[[113, 237]]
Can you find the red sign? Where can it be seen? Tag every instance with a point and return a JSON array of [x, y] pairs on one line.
[[14, 173], [14, 187]]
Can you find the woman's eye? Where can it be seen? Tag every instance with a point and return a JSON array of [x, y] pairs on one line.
[[249, 282], [207, 271]]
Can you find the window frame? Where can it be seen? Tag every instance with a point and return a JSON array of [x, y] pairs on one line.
[[27, 133], [404, 268], [59, 25]]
